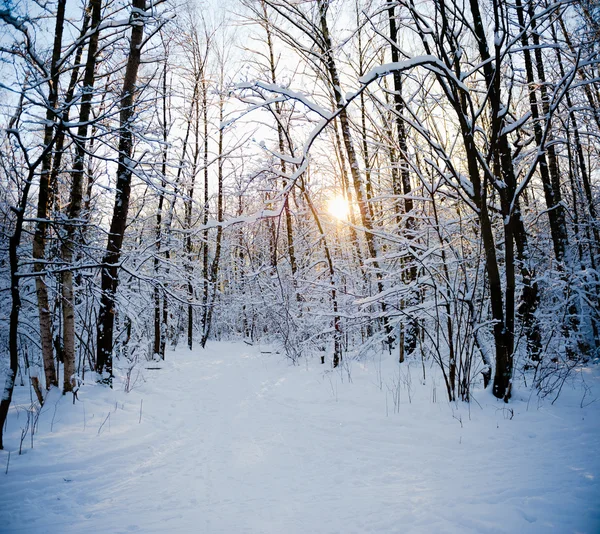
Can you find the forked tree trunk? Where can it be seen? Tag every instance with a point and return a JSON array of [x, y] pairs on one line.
[[502, 302], [188, 209], [77, 177], [199, 70], [68, 102]]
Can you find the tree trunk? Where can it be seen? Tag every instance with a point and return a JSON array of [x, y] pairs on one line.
[[594, 294], [160, 313], [411, 331], [39, 240], [280, 137], [214, 270], [363, 205], [13, 252], [68, 102], [550, 184], [77, 176], [195, 112], [205, 271], [337, 330], [110, 268]]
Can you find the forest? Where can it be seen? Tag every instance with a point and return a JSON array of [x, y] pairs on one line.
[[338, 180]]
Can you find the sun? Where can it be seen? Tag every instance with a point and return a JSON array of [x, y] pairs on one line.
[[338, 207]]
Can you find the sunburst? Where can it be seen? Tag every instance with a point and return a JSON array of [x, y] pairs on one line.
[[338, 207]]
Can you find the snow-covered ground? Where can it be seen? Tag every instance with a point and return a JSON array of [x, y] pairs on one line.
[[235, 441]]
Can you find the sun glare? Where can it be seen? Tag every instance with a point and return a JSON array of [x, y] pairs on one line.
[[338, 208]]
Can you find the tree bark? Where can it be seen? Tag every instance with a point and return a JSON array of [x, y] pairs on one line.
[[363, 205], [161, 312], [39, 240], [548, 172], [75, 204], [13, 252], [205, 268], [337, 330], [110, 267], [214, 270], [410, 331], [280, 137]]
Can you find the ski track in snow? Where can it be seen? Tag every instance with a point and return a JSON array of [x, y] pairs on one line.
[[234, 441]]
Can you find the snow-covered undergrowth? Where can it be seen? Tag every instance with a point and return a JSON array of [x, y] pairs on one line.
[[232, 440]]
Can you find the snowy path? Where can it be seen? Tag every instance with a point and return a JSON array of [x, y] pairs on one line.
[[232, 441]]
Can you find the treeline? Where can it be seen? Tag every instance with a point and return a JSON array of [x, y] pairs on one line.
[[169, 173]]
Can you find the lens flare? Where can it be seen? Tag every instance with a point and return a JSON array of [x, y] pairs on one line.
[[338, 208]]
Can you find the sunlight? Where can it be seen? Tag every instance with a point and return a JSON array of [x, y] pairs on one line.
[[338, 207]]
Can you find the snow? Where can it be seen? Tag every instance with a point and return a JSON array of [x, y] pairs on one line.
[[232, 440], [511, 127], [287, 93], [430, 62]]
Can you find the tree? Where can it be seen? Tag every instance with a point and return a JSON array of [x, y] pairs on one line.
[[126, 165], [69, 243]]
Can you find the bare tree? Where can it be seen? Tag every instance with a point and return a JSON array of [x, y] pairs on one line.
[[75, 204], [126, 164]]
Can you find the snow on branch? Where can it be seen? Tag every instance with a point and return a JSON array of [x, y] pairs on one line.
[[432, 63], [289, 94]]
